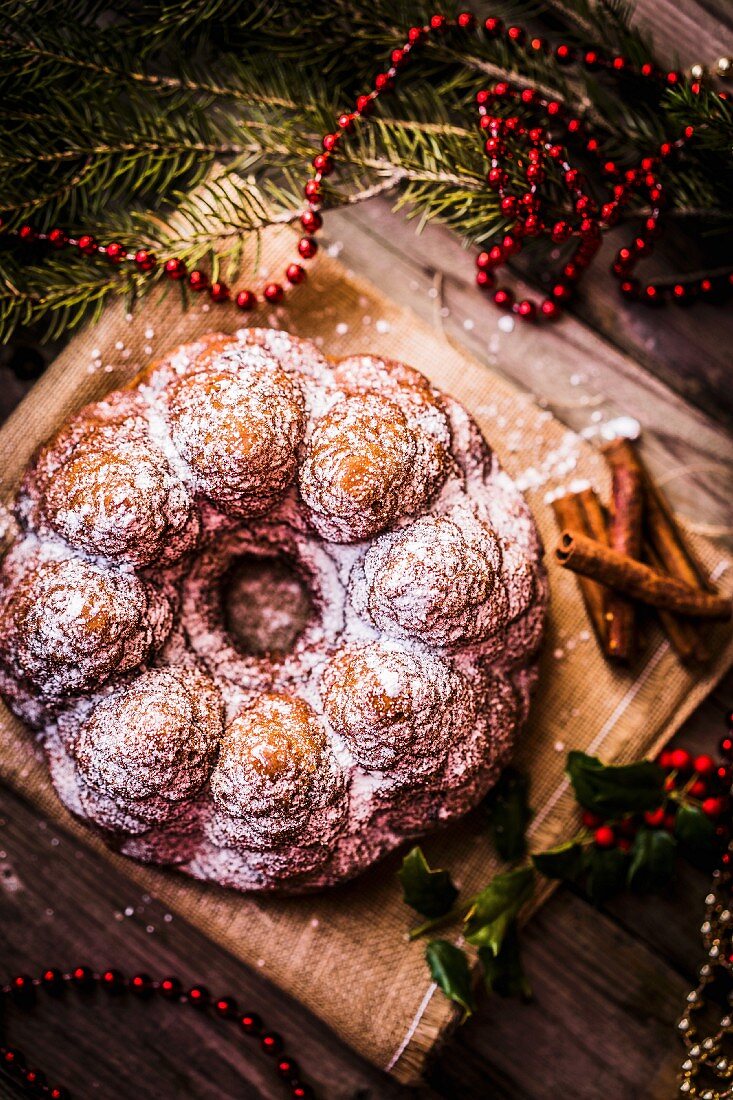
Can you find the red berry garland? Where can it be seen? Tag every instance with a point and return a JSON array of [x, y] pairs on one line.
[[543, 147], [22, 991]]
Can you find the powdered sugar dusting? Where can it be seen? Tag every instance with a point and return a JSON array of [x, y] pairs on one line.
[[397, 702]]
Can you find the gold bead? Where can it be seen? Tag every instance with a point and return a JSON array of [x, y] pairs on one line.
[[697, 72], [723, 67]]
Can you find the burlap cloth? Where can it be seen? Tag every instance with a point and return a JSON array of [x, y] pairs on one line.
[[344, 953]]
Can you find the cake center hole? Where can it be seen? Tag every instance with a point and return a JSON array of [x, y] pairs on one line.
[[266, 605]]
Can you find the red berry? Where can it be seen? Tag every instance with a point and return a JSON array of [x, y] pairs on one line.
[[219, 292], [630, 289], [58, 238], [295, 274], [681, 760], [535, 173], [527, 310], [383, 82], [346, 122], [87, 244], [714, 807], [725, 746], [273, 292], [647, 69], [26, 233], [364, 104], [175, 269], [312, 190], [307, 247], [485, 279], [311, 221], [698, 789], [669, 821], [467, 20], [493, 26], [198, 280], [604, 836], [670, 783], [516, 35], [504, 299], [508, 204], [116, 253], [654, 818], [704, 764], [550, 310], [438, 22], [329, 141], [246, 300], [323, 164], [591, 820], [564, 54], [560, 232], [145, 260]]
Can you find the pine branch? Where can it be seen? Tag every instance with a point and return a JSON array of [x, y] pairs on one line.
[[189, 126]]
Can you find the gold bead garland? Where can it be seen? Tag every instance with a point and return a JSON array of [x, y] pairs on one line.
[[706, 1055]]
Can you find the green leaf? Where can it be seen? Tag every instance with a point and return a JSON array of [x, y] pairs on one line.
[[450, 971], [509, 814], [614, 789], [695, 831], [503, 973], [495, 908], [431, 893], [606, 872], [566, 861], [652, 859]]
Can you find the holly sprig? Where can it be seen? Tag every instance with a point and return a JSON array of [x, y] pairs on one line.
[[635, 819]]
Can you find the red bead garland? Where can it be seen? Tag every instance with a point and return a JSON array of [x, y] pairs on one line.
[[22, 990], [543, 148]]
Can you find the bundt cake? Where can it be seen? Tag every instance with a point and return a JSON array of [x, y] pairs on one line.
[[271, 615]]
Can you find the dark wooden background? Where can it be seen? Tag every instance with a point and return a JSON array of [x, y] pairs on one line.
[[608, 985]]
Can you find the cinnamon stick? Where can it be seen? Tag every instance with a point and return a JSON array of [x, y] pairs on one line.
[[631, 577], [667, 550], [570, 516], [624, 535], [683, 634]]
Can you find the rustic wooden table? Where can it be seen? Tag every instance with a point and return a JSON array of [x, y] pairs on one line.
[[608, 984]]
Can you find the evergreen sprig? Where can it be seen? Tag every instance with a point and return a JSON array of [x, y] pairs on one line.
[[188, 125]]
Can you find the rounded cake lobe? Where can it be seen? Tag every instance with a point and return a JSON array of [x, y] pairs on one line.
[[357, 474], [274, 771], [238, 425], [393, 708], [436, 580], [71, 625], [152, 744], [103, 485]]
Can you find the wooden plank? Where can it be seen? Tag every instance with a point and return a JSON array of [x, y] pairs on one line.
[[570, 369], [601, 1023], [62, 904]]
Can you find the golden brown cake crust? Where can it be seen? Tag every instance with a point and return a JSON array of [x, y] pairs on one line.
[[394, 703]]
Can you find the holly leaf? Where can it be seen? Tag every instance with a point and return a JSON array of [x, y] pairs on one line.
[[615, 789], [566, 861], [509, 814], [503, 973], [696, 835], [496, 907], [429, 892], [652, 859], [606, 872], [450, 971]]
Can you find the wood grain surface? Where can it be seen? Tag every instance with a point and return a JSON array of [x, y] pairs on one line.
[[608, 985]]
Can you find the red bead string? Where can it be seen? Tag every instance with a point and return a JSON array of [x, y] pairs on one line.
[[23, 989], [544, 145]]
